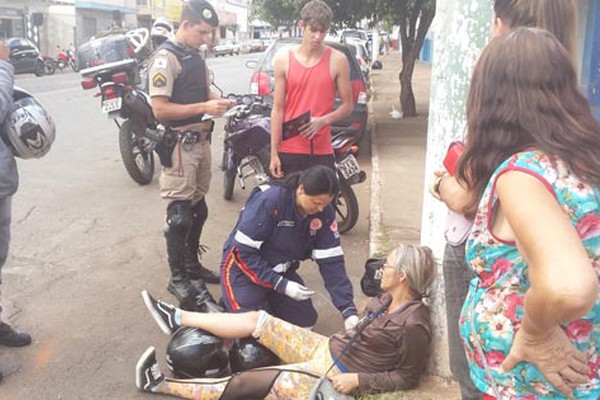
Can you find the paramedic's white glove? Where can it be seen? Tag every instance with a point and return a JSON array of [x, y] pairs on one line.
[[351, 322], [297, 292]]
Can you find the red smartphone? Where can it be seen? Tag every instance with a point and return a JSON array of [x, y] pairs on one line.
[[455, 150]]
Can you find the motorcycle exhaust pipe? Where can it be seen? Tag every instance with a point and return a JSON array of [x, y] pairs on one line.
[[135, 102]]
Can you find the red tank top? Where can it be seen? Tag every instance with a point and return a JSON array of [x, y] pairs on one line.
[[309, 89]]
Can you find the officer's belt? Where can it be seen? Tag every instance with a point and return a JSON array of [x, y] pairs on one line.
[[201, 132]]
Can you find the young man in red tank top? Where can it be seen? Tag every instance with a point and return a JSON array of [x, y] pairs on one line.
[[306, 79]]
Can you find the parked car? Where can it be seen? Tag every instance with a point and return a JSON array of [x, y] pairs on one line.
[[230, 48], [262, 83], [257, 45], [349, 35], [363, 58], [25, 57]]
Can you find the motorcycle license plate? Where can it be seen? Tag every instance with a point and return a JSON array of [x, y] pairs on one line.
[[111, 105], [349, 166]]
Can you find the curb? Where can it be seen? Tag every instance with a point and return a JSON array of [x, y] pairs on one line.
[[375, 228]]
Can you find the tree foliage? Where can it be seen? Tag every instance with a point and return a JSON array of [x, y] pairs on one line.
[[414, 17]]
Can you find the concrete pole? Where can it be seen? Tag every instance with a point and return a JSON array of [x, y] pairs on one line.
[[461, 31]]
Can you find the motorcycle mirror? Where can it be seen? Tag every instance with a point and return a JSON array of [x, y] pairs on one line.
[[211, 79], [246, 100], [251, 64]]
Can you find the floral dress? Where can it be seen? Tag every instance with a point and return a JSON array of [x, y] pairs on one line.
[[493, 309]]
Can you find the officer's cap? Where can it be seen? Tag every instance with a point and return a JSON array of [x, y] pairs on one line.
[[204, 10]]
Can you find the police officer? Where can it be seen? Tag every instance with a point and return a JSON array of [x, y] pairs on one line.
[[181, 98]]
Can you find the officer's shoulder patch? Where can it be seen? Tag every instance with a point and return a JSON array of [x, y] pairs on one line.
[[159, 80], [160, 62]]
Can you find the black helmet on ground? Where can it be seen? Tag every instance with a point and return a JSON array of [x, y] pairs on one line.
[[194, 353], [247, 354], [370, 283]]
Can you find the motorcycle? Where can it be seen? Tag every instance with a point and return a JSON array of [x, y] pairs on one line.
[[122, 98], [246, 154], [246, 145], [345, 150], [64, 59]]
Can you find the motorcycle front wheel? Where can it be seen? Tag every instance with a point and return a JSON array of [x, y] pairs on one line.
[[74, 66], [49, 67], [40, 69], [228, 176], [139, 163], [346, 207]]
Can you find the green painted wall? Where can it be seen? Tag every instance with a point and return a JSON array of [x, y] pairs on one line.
[[461, 30]]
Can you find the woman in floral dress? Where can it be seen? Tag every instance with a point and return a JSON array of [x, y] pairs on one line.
[[531, 320]]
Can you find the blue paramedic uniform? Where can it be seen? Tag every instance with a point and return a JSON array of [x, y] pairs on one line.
[[263, 253]]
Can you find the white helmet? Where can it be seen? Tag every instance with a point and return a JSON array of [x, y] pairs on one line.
[[162, 29], [27, 129]]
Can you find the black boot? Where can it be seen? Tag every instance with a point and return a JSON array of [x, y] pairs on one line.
[[204, 301], [10, 337], [194, 268], [179, 221]]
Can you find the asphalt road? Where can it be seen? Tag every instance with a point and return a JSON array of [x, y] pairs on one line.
[[87, 239]]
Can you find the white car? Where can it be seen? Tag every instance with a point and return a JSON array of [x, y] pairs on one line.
[[230, 48]]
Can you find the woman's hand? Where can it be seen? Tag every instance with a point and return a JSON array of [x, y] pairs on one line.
[[434, 186], [553, 354], [345, 383]]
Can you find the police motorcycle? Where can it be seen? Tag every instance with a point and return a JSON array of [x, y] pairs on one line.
[[246, 144], [247, 149], [116, 64]]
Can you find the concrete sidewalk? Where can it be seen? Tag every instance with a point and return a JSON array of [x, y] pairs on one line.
[[397, 181]]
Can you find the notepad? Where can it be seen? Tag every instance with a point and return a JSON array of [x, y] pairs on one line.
[[292, 127]]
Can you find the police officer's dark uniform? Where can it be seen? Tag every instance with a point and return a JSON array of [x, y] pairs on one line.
[[180, 73]]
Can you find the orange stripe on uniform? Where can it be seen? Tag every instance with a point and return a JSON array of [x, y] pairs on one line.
[[248, 271], [227, 266]]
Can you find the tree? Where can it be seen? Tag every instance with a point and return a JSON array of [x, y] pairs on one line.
[[276, 12], [415, 18]]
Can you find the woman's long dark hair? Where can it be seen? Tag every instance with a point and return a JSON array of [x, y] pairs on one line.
[[524, 94], [556, 16], [316, 180]]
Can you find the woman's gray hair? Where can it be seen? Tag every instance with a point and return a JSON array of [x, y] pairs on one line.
[[419, 265]]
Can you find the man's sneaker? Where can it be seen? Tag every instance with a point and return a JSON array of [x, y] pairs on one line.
[[163, 313], [12, 338], [147, 372]]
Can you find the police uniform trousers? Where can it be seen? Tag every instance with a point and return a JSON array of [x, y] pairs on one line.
[[188, 178]]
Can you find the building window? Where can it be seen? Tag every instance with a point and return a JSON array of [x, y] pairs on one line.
[[141, 2]]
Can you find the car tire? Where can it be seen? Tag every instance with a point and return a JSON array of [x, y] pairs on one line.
[[40, 69]]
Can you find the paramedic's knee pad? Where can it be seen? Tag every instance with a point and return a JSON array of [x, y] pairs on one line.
[[179, 217]]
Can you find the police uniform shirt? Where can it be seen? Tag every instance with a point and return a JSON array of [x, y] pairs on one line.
[[163, 70]]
